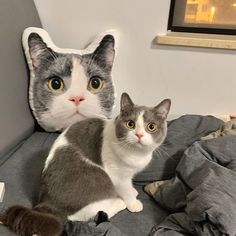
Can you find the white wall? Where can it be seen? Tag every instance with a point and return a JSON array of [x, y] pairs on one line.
[[197, 80]]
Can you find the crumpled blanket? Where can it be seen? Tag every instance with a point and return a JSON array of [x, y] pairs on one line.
[[99, 227], [201, 198], [229, 128]]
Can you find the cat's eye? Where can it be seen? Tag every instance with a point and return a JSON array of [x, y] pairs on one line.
[[55, 84], [152, 127], [95, 83], [130, 124]]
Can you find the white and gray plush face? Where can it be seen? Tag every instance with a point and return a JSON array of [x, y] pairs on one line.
[[69, 87], [140, 127]]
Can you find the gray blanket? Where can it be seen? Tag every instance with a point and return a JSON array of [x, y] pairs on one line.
[[99, 227], [201, 197]]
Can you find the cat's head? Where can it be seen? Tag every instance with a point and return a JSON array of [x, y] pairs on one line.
[[140, 127], [69, 86]]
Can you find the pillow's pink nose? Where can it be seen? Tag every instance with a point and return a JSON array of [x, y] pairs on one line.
[[77, 99]]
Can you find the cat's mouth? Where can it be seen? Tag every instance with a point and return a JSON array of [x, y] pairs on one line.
[[140, 144], [77, 113]]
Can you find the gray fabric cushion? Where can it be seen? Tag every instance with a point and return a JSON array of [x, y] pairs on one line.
[[21, 174], [16, 121]]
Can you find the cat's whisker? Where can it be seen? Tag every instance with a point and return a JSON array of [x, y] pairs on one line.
[[119, 142], [162, 150], [164, 145], [123, 143], [158, 152], [90, 113]]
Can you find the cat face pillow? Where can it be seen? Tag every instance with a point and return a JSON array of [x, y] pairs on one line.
[[69, 85]]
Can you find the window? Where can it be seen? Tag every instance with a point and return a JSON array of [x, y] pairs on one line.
[[203, 16]]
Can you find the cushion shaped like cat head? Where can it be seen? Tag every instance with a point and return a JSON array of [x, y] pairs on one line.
[[69, 85]]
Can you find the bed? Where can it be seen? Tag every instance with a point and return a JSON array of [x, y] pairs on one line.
[[21, 173]]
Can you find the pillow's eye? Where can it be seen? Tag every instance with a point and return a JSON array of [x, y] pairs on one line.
[[55, 84], [130, 124], [95, 83], [152, 127]]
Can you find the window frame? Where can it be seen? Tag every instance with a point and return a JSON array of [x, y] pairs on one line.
[[186, 29]]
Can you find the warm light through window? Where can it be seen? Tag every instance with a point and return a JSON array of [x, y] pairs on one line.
[[217, 12]]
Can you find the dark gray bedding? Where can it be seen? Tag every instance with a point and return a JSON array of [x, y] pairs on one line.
[[22, 170], [202, 195]]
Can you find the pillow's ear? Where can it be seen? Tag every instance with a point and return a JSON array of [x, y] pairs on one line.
[[38, 50], [105, 52], [125, 102], [163, 108]]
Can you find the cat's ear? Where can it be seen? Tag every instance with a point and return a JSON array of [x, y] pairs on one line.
[[163, 108], [38, 50], [105, 52], [125, 102]]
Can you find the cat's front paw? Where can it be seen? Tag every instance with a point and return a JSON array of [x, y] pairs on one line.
[[134, 192], [135, 206]]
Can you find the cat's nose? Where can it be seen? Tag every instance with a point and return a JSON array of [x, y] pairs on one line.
[[77, 99], [139, 135]]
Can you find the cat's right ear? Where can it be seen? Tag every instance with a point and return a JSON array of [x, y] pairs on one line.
[[105, 52], [38, 50], [125, 102], [163, 108]]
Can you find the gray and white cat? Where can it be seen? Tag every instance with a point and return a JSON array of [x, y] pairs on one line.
[[69, 87], [90, 168]]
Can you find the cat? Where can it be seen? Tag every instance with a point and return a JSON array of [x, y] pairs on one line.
[[69, 87], [90, 168]]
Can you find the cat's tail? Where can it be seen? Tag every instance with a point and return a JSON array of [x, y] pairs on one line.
[[27, 222]]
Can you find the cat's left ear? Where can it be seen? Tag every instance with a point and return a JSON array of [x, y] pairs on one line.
[[163, 108], [105, 52], [125, 102]]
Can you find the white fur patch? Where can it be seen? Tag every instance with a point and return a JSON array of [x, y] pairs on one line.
[[89, 162], [121, 164], [2, 191], [118, 161], [110, 206], [61, 141], [147, 139]]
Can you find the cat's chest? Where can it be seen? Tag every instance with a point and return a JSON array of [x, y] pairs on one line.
[[120, 163]]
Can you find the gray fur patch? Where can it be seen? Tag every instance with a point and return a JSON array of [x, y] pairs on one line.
[[61, 67], [70, 183], [86, 137]]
